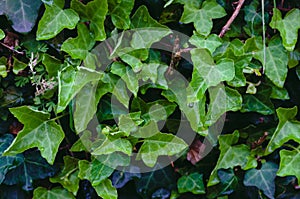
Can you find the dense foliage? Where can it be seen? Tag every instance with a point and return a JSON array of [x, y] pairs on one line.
[[67, 63]]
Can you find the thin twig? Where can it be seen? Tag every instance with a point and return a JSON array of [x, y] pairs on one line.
[[233, 16], [11, 48]]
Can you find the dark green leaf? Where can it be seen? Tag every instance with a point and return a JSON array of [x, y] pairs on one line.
[[191, 183], [120, 12]]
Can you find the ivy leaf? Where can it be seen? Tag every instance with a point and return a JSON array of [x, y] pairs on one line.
[[95, 12], [276, 61], [228, 150], [39, 131], [51, 64], [287, 129], [106, 190], [2, 34], [22, 13], [120, 12], [94, 171], [78, 48], [289, 161], [211, 72], [86, 106], [202, 18], [160, 144], [211, 43], [71, 81], [18, 66], [148, 30], [288, 27], [68, 177], [222, 99], [55, 19], [147, 130], [84, 143], [263, 178], [191, 183], [110, 146], [57, 193]]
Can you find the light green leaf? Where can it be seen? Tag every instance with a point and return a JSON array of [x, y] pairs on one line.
[[222, 99], [57, 193], [160, 144], [150, 71], [287, 129], [148, 30], [263, 178], [94, 171], [39, 131], [22, 13], [228, 150], [84, 143], [191, 183], [3, 70], [94, 11], [86, 102], [2, 34], [18, 66], [120, 12], [212, 73], [114, 159], [106, 190], [288, 27], [78, 48], [71, 81], [276, 61], [110, 146], [202, 18], [289, 163], [68, 177], [147, 130], [127, 74], [55, 19], [211, 43]]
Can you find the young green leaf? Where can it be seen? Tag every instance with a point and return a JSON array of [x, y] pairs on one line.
[[68, 177], [56, 192], [95, 12], [289, 163], [39, 131], [71, 81], [2, 34], [55, 19], [191, 183], [120, 12], [288, 27], [202, 18], [78, 48], [110, 146], [263, 178], [211, 43], [106, 190]]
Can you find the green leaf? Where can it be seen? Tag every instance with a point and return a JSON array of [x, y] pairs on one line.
[[287, 129], [160, 144], [78, 48], [211, 43], [288, 27], [86, 102], [276, 61], [202, 18], [95, 11], [3, 70], [106, 190], [253, 103], [55, 19], [22, 13], [110, 146], [94, 171], [18, 66], [147, 130], [57, 193], [289, 163], [120, 12], [51, 64], [228, 150], [212, 73], [148, 30], [222, 99], [263, 178], [71, 81], [84, 143], [191, 183], [39, 131], [68, 177], [2, 34]]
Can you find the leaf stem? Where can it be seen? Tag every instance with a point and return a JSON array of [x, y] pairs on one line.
[[11, 48], [60, 116], [232, 18]]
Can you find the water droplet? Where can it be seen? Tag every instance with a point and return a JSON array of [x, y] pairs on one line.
[[191, 105]]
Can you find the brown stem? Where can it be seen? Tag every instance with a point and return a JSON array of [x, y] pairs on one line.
[[233, 16], [11, 48]]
